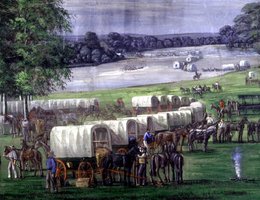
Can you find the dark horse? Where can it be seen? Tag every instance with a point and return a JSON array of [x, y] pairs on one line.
[[176, 161], [115, 161]]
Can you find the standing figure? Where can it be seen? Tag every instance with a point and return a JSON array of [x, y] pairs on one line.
[[51, 165], [142, 160], [222, 107], [148, 139], [25, 127], [12, 157]]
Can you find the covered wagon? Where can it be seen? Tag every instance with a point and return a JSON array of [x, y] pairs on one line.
[[120, 130], [185, 101], [175, 101], [75, 147], [179, 119], [164, 102], [197, 110], [141, 104]]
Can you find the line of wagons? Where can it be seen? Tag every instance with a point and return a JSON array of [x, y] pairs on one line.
[[76, 147]]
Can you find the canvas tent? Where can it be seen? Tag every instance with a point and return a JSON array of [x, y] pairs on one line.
[[79, 141]]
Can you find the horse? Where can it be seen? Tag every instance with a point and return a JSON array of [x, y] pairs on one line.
[[251, 130], [221, 112], [176, 161], [197, 76], [216, 87], [200, 135], [40, 144], [239, 127], [159, 161], [185, 90], [197, 91], [114, 161], [29, 154]]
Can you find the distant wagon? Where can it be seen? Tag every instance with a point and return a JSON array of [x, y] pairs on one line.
[[244, 64], [228, 67], [164, 102], [185, 101], [192, 68], [145, 103], [177, 65], [175, 101]]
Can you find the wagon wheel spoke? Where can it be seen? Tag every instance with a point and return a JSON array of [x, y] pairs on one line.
[[61, 173], [85, 170]]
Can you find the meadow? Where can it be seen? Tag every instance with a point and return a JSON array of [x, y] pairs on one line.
[[207, 175]]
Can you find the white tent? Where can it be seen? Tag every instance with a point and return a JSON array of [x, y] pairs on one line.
[[79, 141]]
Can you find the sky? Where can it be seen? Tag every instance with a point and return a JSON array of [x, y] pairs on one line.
[[152, 17]]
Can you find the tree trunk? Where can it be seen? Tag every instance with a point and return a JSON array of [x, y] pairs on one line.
[[25, 106]]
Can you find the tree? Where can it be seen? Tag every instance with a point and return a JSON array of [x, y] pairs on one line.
[[247, 24], [39, 56]]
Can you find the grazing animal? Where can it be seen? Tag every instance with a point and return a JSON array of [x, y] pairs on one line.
[[201, 135], [40, 144], [125, 161], [221, 112]]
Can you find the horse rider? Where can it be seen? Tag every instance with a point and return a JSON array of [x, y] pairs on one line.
[[51, 165], [12, 157], [221, 106], [142, 161], [148, 139], [25, 128]]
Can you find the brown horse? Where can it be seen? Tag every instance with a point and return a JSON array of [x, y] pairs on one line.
[[29, 154], [176, 137]]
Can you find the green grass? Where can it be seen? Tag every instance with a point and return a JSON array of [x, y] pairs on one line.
[[206, 175]]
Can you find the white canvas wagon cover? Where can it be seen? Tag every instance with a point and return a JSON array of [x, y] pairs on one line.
[[78, 141], [153, 122], [197, 112], [180, 118], [163, 100], [175, 101], [145, 101], [64, 103], [119, 129], [185, 101], [141, 127]]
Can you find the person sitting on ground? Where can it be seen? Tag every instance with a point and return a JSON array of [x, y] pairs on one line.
[[51, 165]]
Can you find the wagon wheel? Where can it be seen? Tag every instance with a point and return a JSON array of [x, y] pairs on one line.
[[61, 173], [122, 151], [85, 170]]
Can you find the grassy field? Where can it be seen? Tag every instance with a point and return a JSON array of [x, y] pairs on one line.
[[206, 175]]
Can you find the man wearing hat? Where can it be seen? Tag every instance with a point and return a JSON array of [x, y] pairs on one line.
[[51, 165], [12, 157]]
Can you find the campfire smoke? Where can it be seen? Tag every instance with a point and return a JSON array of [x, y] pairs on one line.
[[236, 158]]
